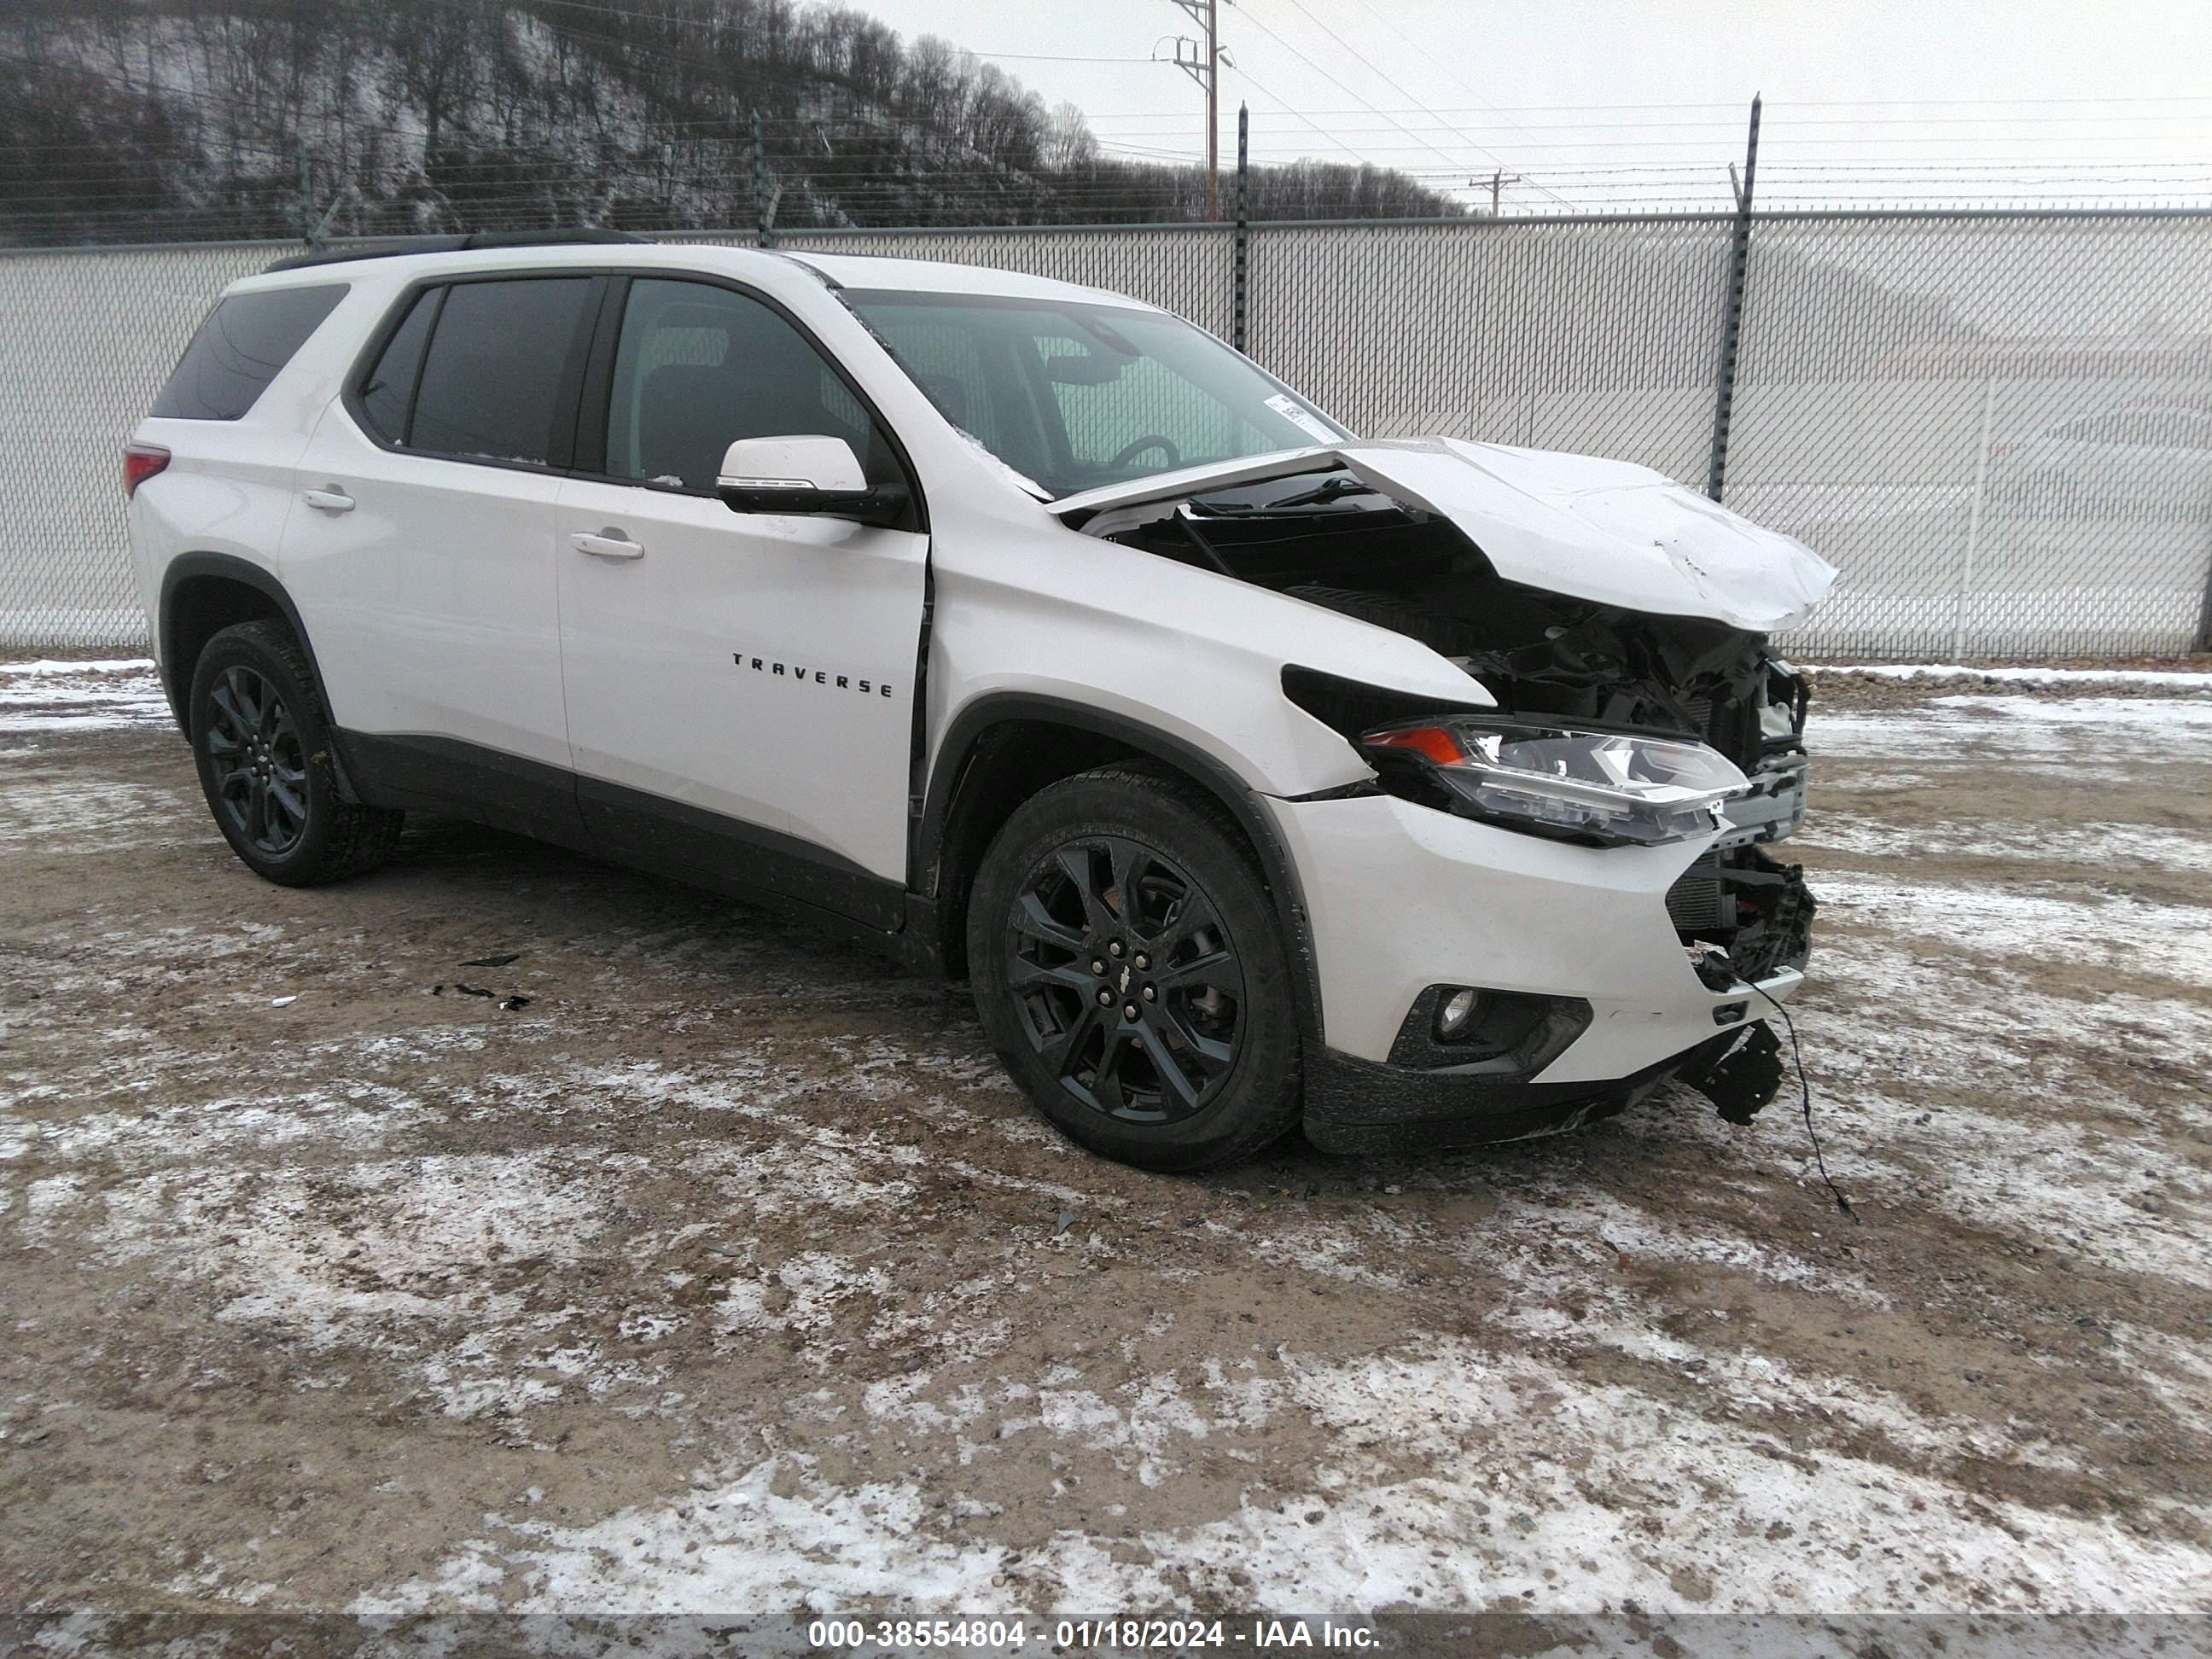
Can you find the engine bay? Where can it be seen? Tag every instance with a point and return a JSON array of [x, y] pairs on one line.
[[1335, 542]]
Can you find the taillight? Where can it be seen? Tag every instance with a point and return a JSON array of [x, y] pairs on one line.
[[140, 463]]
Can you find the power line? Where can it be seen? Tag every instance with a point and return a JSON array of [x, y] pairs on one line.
[[1288, 109], [1300, 56], [1300, 5], [1800, 103], [2065, 126], [1052, 57], [1368, 6]]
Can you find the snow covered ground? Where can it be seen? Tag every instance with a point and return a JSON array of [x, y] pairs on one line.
[[729, 1274], [46, 697], [2186, 679]]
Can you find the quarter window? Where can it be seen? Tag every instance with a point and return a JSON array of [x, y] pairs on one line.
[[243, 345], [699, 367], [491, 378], [388, 394]]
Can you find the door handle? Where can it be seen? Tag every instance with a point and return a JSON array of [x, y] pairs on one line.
[[608, 543], [331, 500]]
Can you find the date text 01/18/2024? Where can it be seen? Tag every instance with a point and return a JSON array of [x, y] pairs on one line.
[[1255, 1634]]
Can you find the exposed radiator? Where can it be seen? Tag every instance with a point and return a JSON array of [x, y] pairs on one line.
[[1697, 899]]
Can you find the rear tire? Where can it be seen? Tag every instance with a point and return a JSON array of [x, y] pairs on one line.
[[262, 742], [1129, 970]]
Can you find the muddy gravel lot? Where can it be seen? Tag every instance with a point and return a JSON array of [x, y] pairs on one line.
[[726, 1272]]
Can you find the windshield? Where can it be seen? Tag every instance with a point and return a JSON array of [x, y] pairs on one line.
[[1078, 396]]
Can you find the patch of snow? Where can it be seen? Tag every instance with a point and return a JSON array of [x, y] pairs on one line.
[[2035, 732], [46, 696], [2112, 845], [68, 812], [51, 667], [2139, 713], [2021, 1129], [2126, 935], [1495, 1506], [2197, 680], [390, 1254]]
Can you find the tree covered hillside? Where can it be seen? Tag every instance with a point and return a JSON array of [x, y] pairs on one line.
[[167, 119]]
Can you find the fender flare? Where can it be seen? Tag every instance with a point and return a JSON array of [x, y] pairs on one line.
[[1208, 771], [176, 676]]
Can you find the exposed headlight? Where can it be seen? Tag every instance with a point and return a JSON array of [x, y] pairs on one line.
[[1611, 788]]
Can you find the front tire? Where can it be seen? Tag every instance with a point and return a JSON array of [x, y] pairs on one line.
[[1128, 967], [262, 744]]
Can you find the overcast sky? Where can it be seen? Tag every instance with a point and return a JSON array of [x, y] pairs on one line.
[[1598, 103]]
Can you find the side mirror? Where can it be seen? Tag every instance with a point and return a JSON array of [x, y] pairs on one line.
[[804, 474]]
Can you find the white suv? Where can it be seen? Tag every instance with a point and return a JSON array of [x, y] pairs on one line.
[[1255, 775]]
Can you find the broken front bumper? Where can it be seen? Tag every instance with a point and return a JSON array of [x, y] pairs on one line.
[[1402, 899]]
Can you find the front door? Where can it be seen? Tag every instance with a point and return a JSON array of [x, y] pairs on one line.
[[740, 686]]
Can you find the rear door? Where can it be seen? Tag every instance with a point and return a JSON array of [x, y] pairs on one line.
[[740, 686], [423, 551]]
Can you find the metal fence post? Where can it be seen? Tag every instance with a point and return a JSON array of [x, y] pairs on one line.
[[1242, 256], [762, 233], [2203, 642], [1732, 316], [1973, 528], [306, 197]]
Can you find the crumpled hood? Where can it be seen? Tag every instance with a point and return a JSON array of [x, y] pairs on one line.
[[1609, 531]]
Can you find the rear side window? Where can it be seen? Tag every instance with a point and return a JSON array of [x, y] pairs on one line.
[[491, 381], [242, 347]]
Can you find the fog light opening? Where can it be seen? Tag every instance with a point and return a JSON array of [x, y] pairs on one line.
[[1453, 1016]]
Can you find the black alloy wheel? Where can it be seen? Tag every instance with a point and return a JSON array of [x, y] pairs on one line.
[[1130, 967], [1127, 982], [262, 745], [260, 769]]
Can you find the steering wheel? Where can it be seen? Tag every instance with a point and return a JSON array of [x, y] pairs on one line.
[[1129, 452]]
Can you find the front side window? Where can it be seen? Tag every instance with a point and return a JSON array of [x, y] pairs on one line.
[[699, 367], [243, 345], [491, 385], [1077, 396]]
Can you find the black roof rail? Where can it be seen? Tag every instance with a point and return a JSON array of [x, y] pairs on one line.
[[393, 248]]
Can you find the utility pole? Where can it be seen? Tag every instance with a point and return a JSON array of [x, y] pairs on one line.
[[1205, 67], [1498, 180]]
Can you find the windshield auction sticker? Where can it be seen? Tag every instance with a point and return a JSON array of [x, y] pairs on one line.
[[1302, 418]]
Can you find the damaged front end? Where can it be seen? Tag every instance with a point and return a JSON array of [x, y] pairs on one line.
[[1587, 721]]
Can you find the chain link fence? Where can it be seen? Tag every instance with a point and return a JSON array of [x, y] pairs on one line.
[[89, 336], [1998, 426]]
